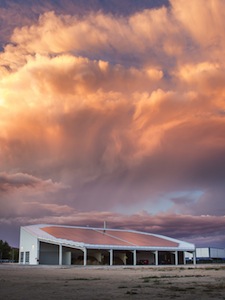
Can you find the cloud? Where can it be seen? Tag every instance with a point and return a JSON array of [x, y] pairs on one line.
[[204, 22], [23, 194], [17, 13], [19, 180], [109, 113], [198, 229], [143, 34]]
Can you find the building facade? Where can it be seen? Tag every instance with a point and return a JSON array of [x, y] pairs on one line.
[[208, 255], [70, 245]]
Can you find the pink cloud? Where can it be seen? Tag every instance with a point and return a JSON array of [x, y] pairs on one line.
[[103, 114], [198, 229]]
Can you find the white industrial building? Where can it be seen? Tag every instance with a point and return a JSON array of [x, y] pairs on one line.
[[70, 245], [208, 254]]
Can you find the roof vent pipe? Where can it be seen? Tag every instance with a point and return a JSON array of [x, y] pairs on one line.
[[104, 226]]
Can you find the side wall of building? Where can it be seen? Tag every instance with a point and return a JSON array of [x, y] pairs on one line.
[[210, 252], [28, 248], [217, 253], [202, 252]]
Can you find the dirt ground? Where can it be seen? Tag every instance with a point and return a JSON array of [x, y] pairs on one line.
[[54, 282]]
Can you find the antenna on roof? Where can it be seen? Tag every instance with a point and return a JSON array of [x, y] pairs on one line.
[[104, 226]]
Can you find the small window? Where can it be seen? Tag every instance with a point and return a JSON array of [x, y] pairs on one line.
[[21, 257], [27, 257]]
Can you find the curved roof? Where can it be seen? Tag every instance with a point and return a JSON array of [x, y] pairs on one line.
[[88, 237]]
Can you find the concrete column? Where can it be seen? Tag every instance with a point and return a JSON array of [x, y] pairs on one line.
[[60, 254], [134, 257], [176, 258], [156, 258], [85, 256], [194, 258], [38, 252], [111, 257], [184, 258]]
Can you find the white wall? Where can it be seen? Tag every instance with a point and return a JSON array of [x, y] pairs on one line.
[[28, 244], [217, 253], [202, 252], [66, 258], [207, 253]]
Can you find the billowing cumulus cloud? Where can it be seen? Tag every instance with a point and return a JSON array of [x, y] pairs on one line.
[[116, 114]]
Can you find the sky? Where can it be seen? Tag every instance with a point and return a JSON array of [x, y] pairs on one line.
[[113, 111]]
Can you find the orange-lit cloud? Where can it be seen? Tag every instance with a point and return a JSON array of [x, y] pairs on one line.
[[114, 113]]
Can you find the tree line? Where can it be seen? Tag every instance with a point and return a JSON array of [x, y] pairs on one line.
[[8, 253]]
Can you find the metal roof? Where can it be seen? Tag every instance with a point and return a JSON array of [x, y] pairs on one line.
[[89, 237], [108, 237]]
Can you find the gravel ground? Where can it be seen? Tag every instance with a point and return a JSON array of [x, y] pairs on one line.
[[54, 282]]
